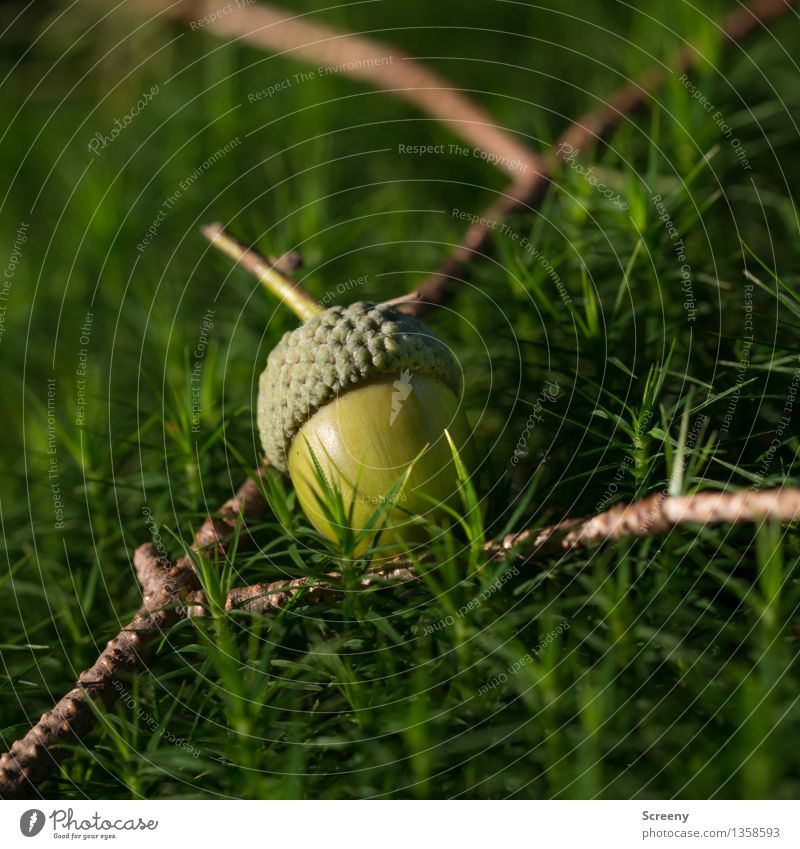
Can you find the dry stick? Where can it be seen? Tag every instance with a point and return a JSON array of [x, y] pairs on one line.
[[277, 595], [42, 748], [381, 65], [39, 752], [368, 60], [528, 190], [165, 591], [374, 62], [656, 514]]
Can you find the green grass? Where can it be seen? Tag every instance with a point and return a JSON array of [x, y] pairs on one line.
[[656, 668]]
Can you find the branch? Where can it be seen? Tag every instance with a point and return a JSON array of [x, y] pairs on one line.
[[657, 514], [373, 62], [40, 751], [278, 595], [528, 191], [652, 516], [275, 274], [440, 286], [381, 65]]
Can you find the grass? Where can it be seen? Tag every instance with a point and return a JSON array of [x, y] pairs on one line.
[[653, 668]]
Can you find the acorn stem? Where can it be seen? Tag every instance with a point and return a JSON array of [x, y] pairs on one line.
[[279, 283]]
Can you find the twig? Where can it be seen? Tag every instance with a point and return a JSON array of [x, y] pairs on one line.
[[276, 596], [371, 61], [438, 287], [387, 68], [654, 515], [151, 567], [275, 274], [381, 65], [39, 752], [42, 748], [529, 189], [247, 504]]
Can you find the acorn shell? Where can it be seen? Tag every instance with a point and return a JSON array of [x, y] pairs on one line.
[[335, 351], [368, 390], [365, 440]]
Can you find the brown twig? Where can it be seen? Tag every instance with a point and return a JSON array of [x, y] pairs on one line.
[[387, 68], [40, 751], [166, 590], [373, 62], [275, 596], [439, 286], [42, 748], [528, 190], [381, 65], [657, 514]]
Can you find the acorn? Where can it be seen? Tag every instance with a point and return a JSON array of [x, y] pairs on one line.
[[357, 399]]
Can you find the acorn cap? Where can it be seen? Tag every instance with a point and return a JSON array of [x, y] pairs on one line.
[[333, 352]]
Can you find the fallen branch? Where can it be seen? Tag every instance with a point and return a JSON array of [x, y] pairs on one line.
[[39, 752], [387, 68], [278, 595], [382, 65], [371, 61], [658, 514], [172, 593], [528, 190]]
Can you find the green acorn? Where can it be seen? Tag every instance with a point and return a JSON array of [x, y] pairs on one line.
[[363, 395]]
